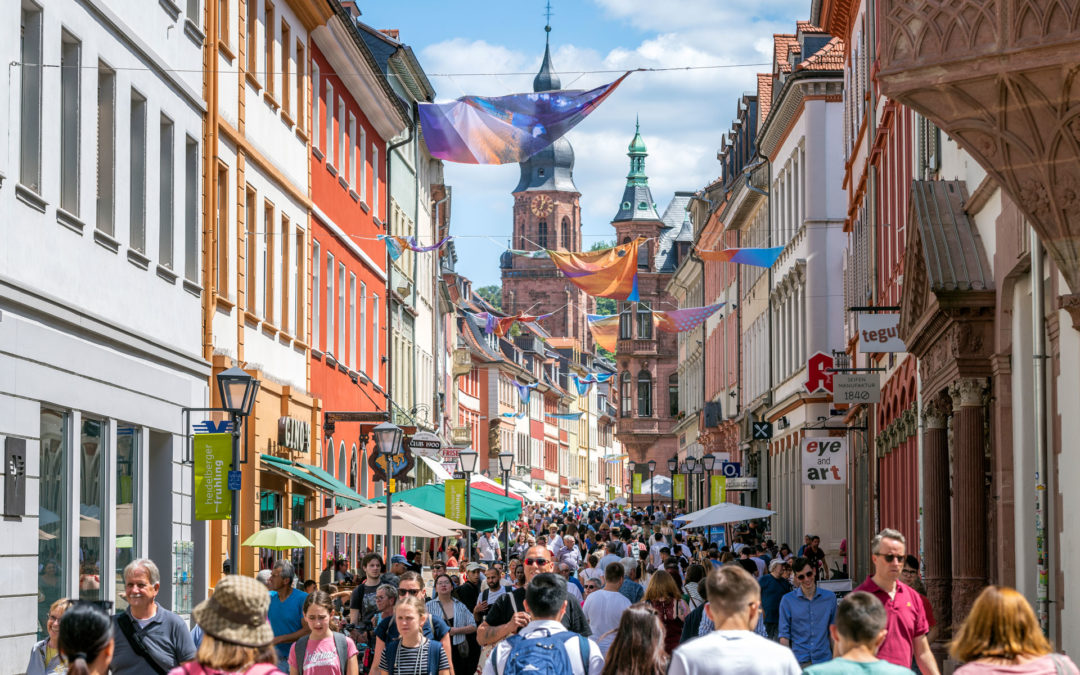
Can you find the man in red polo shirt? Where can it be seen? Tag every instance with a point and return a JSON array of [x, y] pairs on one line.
[[907, 627]]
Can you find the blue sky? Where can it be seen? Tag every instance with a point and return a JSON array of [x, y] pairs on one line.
[[684, 114]]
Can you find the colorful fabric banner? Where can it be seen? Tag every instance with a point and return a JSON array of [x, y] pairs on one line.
[[536, 255], [524, 390], [604, 329], [500, 325], [567, 416], [514, 415], [718, 491], [583, 383], [213, 457], [678, 486], [455, 499], [607, 273], [395, 245], [680, 320], [758, 257], [505, 129]]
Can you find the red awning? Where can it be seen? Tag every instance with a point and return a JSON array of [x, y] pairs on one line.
[[495, 489]]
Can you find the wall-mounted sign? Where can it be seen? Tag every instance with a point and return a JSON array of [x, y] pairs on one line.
[[856, 388], [819, 377], [824, 461], [743, 483], [762, 431], [390, 466], [426, 443], [731, 469], [213, 456], [294, 434], [880, 333]]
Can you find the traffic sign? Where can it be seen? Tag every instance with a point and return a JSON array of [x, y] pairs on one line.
[[761, 431], [856, 388]]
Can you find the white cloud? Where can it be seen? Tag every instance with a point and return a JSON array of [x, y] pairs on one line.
[[684, 114]]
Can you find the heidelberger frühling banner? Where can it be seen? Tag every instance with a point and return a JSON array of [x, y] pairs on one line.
[[213, 456], [455, 499]]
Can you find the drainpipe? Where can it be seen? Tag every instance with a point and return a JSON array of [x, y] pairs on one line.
[[1038, 347]]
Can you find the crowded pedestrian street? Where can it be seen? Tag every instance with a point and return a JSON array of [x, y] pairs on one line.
[[594, 337]]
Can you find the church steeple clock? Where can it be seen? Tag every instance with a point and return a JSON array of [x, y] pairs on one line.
[[547, 214]]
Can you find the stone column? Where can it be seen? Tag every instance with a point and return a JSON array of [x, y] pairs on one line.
[[937, 532], [969, 565]]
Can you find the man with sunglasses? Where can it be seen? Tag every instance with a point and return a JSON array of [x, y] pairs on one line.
[[508, 615], [907, 627], [805, 616]]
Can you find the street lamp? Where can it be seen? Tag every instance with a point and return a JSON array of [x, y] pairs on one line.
[[608, 494], [691, 469], [237, 390], [652, 488], [506, 463], [387, 439], [708, 462], [467, 457]]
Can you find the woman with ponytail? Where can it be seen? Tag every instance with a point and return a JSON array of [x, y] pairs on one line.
[[86, 639]]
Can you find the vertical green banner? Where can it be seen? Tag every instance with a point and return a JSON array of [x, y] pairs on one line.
[[213, 455], [637, 483], [719, 490], [678, 486], [455, 499]]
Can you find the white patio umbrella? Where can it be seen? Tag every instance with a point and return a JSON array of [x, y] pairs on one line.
[[722, 513], [658, 485], [408, 521]]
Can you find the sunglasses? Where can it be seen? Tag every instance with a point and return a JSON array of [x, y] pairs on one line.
[[536, 561], [409, 591], [806, 575], [591, 587], [890, 558]]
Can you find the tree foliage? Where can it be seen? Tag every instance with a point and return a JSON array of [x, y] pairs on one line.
[[492, 294]]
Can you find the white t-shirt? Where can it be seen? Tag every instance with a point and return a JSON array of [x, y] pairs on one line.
[[725, 652], [497, 663], [555, 544], [488, 547], [654, 554], [604, 610]]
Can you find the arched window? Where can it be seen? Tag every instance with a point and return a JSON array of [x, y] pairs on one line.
[[565, 241], [643, 255], [644, 393], [626, 393], [341, 474], [352, 468], [644, 321], [673, 394], [542, 234], [626, 321], [330, 456]]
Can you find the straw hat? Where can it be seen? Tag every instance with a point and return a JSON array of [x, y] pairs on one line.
[[236, 612]]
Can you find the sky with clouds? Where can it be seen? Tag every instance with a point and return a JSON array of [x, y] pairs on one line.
[[476, 47]]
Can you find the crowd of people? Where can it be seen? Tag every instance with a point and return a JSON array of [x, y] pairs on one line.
[[582, 591]]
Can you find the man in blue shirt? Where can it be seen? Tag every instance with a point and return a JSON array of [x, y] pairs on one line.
[[805, 616], [286, 611], [774, 586]]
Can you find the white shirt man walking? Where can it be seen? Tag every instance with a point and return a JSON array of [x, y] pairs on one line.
[[604, 608], [487, 549]]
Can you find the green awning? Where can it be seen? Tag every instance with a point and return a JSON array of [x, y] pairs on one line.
[[343, 491], [344, 496], [488, 510]]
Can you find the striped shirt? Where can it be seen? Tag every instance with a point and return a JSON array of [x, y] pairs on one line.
[[413, 660], [462, 617]]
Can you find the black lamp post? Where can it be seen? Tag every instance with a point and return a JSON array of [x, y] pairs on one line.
[[387, 439], [708, 462], [691, 469], [631, 467], [468, 457], [237, 390], [506, 463], [607, 497], [652, 488]]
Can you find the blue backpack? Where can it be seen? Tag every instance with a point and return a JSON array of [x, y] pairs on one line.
[[544, 655], [435, 652]]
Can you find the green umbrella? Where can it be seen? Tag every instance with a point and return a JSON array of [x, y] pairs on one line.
[[488, 510], [279, 539]]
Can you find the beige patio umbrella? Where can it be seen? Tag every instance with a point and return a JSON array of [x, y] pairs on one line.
[[407, 521]]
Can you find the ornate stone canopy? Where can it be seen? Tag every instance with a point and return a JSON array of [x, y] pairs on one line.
[[1001, 78]]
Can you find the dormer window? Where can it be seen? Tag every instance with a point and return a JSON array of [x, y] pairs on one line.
[[626, 205], [540, 172], [642, 206]]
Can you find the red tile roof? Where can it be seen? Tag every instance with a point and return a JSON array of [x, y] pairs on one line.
[[781, 43], [807, 27], [829, 57], [764, 95]]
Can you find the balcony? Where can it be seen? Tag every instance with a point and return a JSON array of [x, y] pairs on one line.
[[462, 362], [638, 425], [461, 435], [636, 347]]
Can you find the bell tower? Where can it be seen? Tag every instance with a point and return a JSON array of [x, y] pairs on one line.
[[547, 214]]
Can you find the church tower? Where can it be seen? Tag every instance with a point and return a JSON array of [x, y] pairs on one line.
[[547, 214]]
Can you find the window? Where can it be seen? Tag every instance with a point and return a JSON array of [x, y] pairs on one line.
[[352, 149], [286, 83], [301, 99], [251, 266], [644, 253], [127, 476], [542, 234], [340, 162], [253, 36], [53, 497], [223, 21], [269, 261], [269, 42], [644, 321], [644, 393], [223, 229], [626, 322], [341, 312], [673, 394], [330, 456], [376, 360], [106, 147], [316, 292], [137, 166], [165, 195], [316, 106], [70, 49], [626, 393], [363, 165], [299, 329], [566, 243], [30, 113], [283, 277], [375, 182], [363, 328], [92, 450], [328, 129], [352, 320], [329, 302], [191, 210]]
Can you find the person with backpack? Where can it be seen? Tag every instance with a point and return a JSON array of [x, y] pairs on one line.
[[433, 628], [544, 646], [413, 653], [236, 638], [322, 652]]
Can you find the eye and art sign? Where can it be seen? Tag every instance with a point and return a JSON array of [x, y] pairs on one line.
[[824, 461], [880, 333], [213, 455]]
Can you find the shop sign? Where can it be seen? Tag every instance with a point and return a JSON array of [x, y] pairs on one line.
[[880, 333], [678, 486], [451, 453], [213, 456], [743, 483], [294, 434], [455, 500], [426, 443], [731, 469], [718, 490], [856, 388], [389, 466], [824, 461], [819, 373]]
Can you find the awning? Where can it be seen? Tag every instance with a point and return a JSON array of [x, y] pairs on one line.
[[347, 497], [494, 488], [440, 472], [488, 510], [344, 496], [527, 492]]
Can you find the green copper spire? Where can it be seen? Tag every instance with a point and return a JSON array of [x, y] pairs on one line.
[[637, 153]]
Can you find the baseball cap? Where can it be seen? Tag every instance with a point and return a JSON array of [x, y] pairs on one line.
[[775, 562], [473, 566], [399, 559]]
